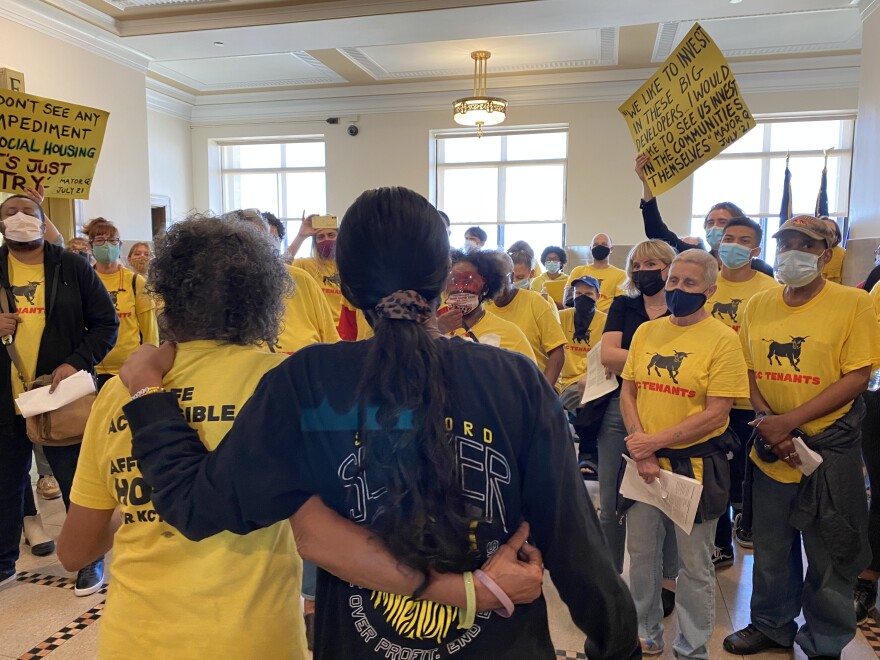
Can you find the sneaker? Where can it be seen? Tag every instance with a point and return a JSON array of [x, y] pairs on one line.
[[749, 641], [864, 599], [90, 578], [650, 647], [743, 536], [722, 557], [667, 597], [36, 537], [7, 578], [47, 488]]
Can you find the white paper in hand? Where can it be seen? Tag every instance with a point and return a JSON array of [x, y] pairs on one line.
[[597, 384], [810, 460], [70, 389], [676, 496]]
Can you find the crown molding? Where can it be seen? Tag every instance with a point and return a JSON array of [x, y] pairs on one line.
[[60, 25], [316, 104], [868, 9]]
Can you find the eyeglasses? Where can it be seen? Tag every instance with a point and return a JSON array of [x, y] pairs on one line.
[[102, 241]]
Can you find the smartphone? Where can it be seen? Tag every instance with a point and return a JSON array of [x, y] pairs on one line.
[[325, 222]]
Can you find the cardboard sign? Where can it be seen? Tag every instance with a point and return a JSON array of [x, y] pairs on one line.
[[49, 142], [688, 112]]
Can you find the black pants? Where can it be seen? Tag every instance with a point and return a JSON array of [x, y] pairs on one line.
[[15, 464], [739, 424], [871, 455]]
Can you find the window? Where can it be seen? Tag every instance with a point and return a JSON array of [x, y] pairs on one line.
[[751, 171], [510, 183], [285, 178]]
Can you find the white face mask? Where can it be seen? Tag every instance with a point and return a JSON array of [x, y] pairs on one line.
[[23, 228], [466, 302], [796, 268]]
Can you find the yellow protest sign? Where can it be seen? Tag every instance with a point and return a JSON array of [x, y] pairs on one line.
[[687, 112], [48, 142]]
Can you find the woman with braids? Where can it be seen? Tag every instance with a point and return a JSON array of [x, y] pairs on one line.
[[224, 291], [477, 276], [437, 447]]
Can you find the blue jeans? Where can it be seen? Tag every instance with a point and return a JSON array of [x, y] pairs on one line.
[[309, 580], [778, 589], [695, 593], [612, 443]]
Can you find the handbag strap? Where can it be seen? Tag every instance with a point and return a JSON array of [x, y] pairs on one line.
[[9, 340]]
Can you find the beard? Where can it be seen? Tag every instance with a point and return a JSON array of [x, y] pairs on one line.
[[28, 246]]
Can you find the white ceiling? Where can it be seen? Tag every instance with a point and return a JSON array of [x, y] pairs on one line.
[[367, 46]]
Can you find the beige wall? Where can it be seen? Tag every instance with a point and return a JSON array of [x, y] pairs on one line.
[[170, 161], [56, 69], [393, 149]]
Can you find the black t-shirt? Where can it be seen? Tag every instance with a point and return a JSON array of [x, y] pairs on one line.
[[296, 437], [625, 315]]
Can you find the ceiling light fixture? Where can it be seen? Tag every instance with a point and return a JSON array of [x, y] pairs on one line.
[[479, 110]]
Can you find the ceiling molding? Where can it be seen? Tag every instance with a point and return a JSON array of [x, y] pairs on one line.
[[616, 86], [168, 105], [58, 24], [868, 9], [608, 49], [666, 41], [86, 13]]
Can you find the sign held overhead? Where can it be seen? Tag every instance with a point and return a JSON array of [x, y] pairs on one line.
[[48, 142], [687, 113]]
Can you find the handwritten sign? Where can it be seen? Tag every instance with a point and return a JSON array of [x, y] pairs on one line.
[[688, 112], [49, 142]]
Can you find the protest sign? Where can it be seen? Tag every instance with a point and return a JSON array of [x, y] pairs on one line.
[[688, 112], [48, 142]]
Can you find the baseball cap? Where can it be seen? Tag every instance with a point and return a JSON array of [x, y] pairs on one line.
[[588, 280], [807, 225]]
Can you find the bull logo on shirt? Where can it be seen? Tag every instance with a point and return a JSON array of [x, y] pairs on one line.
[[332, 280], [114, 295], [671, 363], [29, 291], [730, 308], [790, 350]]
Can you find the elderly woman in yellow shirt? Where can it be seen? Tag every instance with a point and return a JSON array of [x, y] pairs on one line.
[[681, 377]]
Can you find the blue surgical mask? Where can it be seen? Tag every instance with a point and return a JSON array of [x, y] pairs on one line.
[[552, 266], [106, 254], [796, 268], [734, 255], [523, 284], [681, 303], [714, 236]]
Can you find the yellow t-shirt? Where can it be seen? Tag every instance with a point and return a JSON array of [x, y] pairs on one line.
[[307, 316], [227, 596], [833, 270], [495, 331], [137, 318], [529, 312], [28, 284], [610, 281], [676, 369], [730, 300], [797, 352], [576, 352], [554, 288], [326, 274]]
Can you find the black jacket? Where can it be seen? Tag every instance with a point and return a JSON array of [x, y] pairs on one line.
[[81, 322], [656, 228]]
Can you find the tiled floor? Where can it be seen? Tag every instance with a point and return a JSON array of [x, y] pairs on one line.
[[30, 614]]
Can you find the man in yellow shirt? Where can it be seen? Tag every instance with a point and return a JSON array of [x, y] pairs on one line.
[[530, 313], [737, 283], [610, 277], [810, 347], [553, 282], [583, 325]]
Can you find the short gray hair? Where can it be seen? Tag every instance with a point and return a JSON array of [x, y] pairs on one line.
[[703, 259]]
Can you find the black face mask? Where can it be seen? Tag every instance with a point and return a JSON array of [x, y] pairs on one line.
[[584, 310], [648, 282], [681, 303], [601, 252]]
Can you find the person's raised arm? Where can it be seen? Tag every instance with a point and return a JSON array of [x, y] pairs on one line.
[[305, 231], [654, 225]]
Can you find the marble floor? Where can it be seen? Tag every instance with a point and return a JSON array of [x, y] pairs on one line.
[[40, 616]]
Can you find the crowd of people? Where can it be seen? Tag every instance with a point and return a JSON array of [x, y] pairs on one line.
[[397, 431]]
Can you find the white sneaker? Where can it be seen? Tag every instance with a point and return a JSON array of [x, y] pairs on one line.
[[47, 488], [7, 579]]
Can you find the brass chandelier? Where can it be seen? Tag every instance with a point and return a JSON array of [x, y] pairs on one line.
[[480, 109]]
